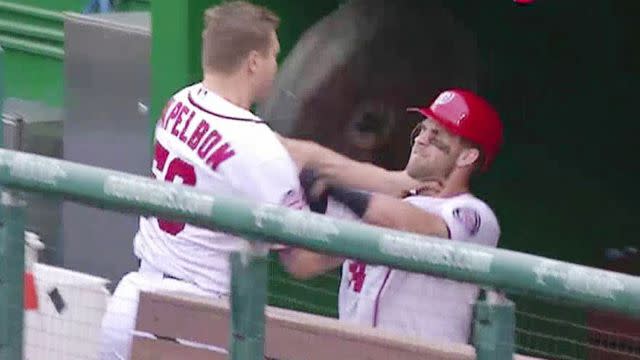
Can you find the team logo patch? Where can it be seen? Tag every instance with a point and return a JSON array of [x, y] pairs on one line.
[[293, 199], [444, 98], [469, 218]]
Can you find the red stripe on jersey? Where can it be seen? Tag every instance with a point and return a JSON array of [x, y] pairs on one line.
[[202, 108], [377, 302]]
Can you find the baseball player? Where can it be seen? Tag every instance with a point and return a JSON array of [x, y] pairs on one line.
[[207, 138], [460, 134]]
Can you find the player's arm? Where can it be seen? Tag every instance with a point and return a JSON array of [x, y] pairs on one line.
[[376, 209], [305, 264], [336, 168], [396, 214]]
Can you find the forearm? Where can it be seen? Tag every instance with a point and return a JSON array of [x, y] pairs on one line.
[[385, 211], [305, 264], [361, 175], [335, 168]]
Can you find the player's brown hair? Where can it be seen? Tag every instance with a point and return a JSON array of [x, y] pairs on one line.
[[232, 30], [479, 163]]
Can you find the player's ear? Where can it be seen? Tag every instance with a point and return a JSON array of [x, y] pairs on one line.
[[468, 157], [253, 61]]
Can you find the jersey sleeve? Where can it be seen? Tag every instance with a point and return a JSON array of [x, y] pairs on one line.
[[274, 181], [262, 170], [471, 221]]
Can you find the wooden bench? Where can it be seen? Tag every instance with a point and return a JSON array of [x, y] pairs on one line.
[[290, 335]]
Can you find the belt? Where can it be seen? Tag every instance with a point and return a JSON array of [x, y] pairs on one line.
[[145, 267]]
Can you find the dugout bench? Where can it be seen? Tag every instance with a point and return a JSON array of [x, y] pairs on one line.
[[290, 334]]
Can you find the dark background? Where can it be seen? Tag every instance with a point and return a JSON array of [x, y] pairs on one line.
[[564, 76]]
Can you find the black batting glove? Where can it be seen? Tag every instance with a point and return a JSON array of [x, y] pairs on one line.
[[308, 179]]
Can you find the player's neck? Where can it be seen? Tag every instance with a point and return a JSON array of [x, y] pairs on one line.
[[232, 88], [456, 184]]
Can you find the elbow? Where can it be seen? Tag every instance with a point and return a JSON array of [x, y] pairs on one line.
[[298, 272], [301, 274], [295, 266]]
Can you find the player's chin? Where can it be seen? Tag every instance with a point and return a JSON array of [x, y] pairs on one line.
[[417, 159], [412, 170], [417, 168]]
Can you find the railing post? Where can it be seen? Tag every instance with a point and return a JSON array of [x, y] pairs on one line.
[[494, 327], [12, 216], [248, 297], [1, 94], [11, 276]]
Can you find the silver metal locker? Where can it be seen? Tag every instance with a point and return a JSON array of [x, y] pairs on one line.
[[107, 71]]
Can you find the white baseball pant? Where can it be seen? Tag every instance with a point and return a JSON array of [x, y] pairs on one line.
[[119, 320]]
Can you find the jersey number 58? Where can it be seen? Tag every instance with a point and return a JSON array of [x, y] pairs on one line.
[[177, 168]]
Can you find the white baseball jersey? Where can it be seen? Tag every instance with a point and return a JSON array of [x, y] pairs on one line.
[[203, 140], [416, 304]]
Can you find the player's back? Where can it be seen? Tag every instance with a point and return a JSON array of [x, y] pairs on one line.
[[204, 141]]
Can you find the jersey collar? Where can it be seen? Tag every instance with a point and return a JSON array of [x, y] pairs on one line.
[[212, 103]]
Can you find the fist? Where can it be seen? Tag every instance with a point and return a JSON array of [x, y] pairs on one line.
[[315, 191]]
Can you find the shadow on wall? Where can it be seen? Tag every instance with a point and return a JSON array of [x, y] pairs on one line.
[[348, 80], [346, 85]]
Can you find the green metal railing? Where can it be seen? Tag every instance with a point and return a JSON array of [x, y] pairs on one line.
[[32, 11], [34, 31], [31, 29], [496, 268], [1, 92]]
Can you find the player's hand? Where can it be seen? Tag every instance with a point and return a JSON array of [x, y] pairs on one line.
[[405, 185], [315, 190], [431, 187]]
